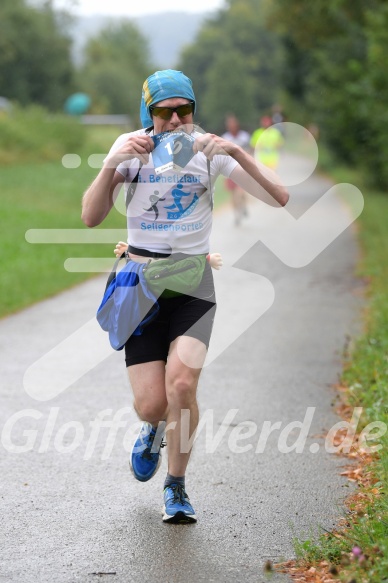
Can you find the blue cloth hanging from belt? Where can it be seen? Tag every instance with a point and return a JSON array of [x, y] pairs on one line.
[[128, 304]]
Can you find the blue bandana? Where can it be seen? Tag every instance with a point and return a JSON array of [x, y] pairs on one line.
[[163, 85]]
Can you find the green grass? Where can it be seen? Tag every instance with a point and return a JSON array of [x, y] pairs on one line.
[[366, 376], [328, 548], [46, 195], [33, 134]]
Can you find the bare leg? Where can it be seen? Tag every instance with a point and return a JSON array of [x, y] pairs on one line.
[[162, 391], [149, 390], [239, 204], [181, 392]]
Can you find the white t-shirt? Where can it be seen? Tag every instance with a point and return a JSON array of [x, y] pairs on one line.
[[172, 211]]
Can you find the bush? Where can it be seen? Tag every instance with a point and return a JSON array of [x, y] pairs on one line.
[[33, 134]]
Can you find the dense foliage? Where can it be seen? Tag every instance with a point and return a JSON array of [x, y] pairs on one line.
[[115, 66], [31, 134], [35, 63], [235, 64], [324, 61], [336, 61]]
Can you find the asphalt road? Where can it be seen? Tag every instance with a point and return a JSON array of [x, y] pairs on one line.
[[70, 508]]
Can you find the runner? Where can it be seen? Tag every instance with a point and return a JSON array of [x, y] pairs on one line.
[[267, 142], [240, 137], [164, 362]]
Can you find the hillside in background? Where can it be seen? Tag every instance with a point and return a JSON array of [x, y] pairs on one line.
[[166, 32]]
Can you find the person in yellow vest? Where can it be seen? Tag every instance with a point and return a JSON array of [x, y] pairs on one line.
[[266, 142]]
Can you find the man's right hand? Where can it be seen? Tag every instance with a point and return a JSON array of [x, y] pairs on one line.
[[135, 147]]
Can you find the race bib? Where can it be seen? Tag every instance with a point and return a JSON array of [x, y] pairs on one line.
[[173, 151]]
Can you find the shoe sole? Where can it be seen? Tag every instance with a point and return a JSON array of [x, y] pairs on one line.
[[178, 518], [156, 469], [151, 476]]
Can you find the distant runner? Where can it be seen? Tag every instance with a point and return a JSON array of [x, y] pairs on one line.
[[266, 142], [240, 137]]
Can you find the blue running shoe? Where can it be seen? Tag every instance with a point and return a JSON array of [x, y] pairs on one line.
[[145, 456], [177, 508]]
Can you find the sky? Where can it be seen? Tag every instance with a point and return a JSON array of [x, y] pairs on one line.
[[135, 7]]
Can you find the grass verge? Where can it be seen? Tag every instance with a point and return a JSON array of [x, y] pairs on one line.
[[357, 551], [44, 196]]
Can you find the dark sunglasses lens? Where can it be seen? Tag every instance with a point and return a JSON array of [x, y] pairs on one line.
[[166, 112], [184, 110], [163, 112]]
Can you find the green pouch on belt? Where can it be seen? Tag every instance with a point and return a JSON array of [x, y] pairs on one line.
[[172, 276]]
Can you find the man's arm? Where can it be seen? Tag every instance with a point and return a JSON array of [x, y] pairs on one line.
[[253, 177], [100, 196], [102, 193], [259, 181]]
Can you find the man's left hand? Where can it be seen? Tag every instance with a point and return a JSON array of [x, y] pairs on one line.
[[212, 145]]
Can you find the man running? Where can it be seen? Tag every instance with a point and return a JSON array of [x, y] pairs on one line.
[[164, 363]]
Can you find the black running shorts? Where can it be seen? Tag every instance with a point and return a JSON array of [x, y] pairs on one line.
[[182, 315]]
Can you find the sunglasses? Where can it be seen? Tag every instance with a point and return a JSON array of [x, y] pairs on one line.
[[166, 112]]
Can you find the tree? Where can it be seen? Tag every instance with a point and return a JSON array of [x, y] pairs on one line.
[[250, 83], [342, 46], [35, 63], [115, 67], [373, 106], [225, 94]]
